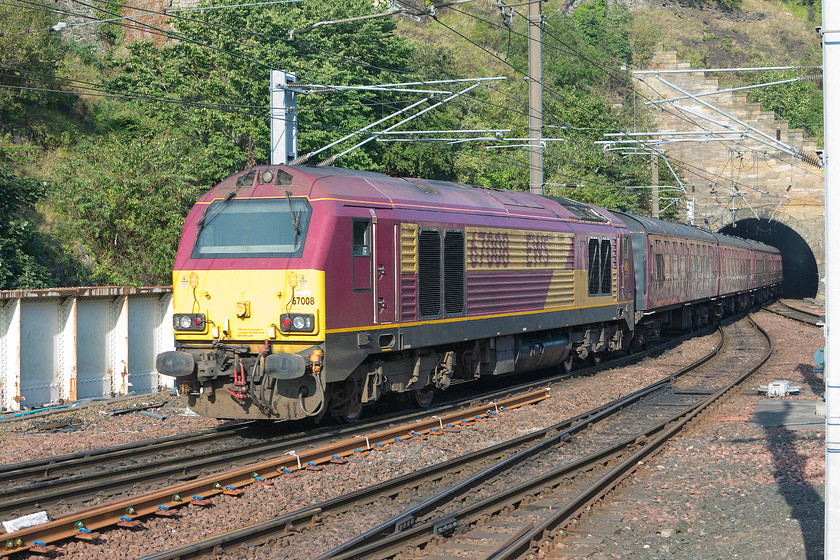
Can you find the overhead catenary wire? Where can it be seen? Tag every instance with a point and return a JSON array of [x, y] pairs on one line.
[[551, 90], [484, 101], [200, 43], [297, 41]]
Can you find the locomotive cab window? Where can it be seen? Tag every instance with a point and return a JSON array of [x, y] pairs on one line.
[[252, 228], [362, 265], [600, 267], [361, 238]]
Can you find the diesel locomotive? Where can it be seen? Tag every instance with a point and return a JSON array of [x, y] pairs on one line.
[[304, 291]]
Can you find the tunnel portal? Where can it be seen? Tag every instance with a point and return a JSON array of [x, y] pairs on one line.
[[801, 278]]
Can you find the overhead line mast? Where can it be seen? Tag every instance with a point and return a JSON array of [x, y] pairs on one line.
[[830, 32], [535, 112], [535, 94]]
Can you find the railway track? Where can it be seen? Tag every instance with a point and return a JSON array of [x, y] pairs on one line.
[[62, 484], [525, 506], [59, 490], [795, 313], [126, 512], [450, 499]]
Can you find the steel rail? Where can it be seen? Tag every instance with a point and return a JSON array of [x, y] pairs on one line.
[[789, 306], [81, 523], [615, 476], [44, 466], [796, 314], [379, 543], [493, 455], [17, 500], [27, 497]]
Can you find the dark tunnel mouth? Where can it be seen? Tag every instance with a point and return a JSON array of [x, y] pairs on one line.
[[801, 276]]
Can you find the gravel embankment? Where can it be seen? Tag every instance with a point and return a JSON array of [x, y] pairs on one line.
[[699, 498]]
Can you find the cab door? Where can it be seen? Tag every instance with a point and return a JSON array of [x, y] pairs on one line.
[[385, 275]]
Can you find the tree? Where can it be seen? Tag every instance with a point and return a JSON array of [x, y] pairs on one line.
[[123, 203], [22, 251], [29, 55], [224, 60]]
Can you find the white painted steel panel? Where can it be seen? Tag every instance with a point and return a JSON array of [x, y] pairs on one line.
[[164, 337], [39, 341], [94, 324], [144, 316], [75, 343], [10, 354], [66, 345], [118, 346]]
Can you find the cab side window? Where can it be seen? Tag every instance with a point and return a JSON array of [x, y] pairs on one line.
[[361, 238]]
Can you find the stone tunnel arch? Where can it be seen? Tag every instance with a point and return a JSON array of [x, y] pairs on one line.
[[801, 273]]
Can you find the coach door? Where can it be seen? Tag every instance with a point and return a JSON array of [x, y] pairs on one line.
[[384, 268]]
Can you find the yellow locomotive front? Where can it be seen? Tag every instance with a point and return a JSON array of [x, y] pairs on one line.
[[248, 307]]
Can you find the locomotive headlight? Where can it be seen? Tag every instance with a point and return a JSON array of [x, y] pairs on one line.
[[188, 321], [297, 323]]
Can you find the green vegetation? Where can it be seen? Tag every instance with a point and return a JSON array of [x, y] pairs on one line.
[[22, 251], [800, 103], [94, 188]]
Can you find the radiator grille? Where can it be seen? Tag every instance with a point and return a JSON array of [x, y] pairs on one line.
[[408, 248], [428, 264], [453, 270]]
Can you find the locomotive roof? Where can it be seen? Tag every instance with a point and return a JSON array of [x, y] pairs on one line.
[[645, 224], [338, 184]]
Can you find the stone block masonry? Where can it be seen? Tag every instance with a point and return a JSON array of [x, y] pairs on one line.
[[741, 179]]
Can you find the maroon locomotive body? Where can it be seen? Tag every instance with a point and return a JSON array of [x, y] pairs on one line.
[[306, 290]]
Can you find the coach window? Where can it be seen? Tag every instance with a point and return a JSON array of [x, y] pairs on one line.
[[660, 267], [652, 268]]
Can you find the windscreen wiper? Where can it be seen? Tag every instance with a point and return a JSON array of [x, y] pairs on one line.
[[205, 219], [295, 217]]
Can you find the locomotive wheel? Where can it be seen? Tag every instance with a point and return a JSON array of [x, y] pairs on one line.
[[568, 363], [352, 413], [423, 397]]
